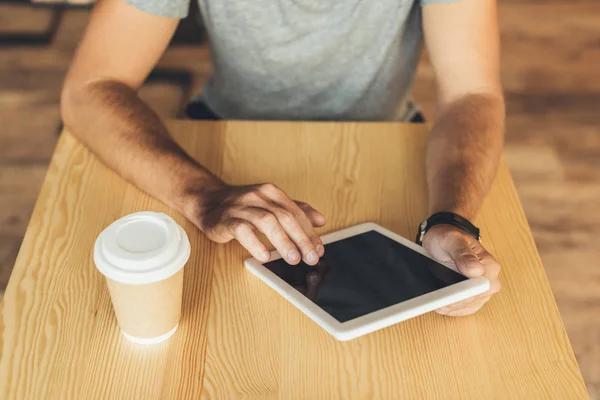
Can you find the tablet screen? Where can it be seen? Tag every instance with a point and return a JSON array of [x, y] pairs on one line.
[[365, 273]]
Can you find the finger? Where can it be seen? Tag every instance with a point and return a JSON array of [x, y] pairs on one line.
[[482, 298], [292, 219], [298, 214], [492, 268], [495, 286], [486, 298], [295, 222], [316, 218], [278, 196], [461, 312], [462, 253], [244, 234], [464, 307], [268, 224], [296, 233], [473, 303]]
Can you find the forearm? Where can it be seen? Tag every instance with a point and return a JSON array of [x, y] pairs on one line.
[[463, 153], [111, 120]]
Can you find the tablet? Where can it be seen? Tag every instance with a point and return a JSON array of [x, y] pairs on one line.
[[368, 279]]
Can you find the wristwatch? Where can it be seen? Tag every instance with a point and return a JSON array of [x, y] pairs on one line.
[[447, 218]]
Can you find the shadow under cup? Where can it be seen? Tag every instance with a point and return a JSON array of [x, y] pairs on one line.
[[142, 257]]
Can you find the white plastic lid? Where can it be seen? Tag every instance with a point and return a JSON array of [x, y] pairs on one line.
[[141, 248]]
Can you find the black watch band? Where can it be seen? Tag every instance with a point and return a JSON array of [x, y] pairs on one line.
[[446, 218]]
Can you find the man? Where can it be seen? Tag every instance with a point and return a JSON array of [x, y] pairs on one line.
[[308, 60]]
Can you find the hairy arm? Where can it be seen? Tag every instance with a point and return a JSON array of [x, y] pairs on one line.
[[101, 107], [467, 136], [466, 140]]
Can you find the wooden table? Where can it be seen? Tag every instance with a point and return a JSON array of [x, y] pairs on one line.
[[238, 338]]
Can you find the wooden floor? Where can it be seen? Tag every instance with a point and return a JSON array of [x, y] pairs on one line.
[[551, 74]]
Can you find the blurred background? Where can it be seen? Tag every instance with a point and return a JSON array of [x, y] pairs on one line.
[[551, 76]]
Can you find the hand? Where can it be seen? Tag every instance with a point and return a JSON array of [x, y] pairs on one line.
[[448, 244], [227, 212]]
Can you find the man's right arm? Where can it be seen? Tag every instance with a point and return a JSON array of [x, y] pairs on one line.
[[100, 106]]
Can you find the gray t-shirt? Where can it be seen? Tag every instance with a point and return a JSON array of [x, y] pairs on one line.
[[307, 59]]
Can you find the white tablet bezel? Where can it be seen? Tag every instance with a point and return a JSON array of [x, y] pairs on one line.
[[377, 319]]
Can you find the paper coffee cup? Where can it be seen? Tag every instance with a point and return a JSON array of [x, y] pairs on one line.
[[142, 257]]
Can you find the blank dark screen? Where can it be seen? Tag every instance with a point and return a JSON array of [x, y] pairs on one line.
[[363, 274]]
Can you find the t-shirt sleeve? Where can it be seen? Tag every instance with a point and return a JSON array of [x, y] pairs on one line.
[[165, 8]]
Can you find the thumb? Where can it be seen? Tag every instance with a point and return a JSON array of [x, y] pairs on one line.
[[464, 257]]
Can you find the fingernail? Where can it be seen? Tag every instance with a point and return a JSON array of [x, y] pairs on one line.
[[312, 257], [320, 250], [293, 256], [265, 256]]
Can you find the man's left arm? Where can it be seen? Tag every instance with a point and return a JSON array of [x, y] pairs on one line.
[[466, 140]]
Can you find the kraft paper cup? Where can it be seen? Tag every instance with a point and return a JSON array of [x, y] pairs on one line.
[[142, 257]]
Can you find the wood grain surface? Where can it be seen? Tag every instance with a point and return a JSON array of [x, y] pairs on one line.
[[238, 338]]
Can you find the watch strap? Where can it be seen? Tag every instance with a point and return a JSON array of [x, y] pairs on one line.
[[447, 218]]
